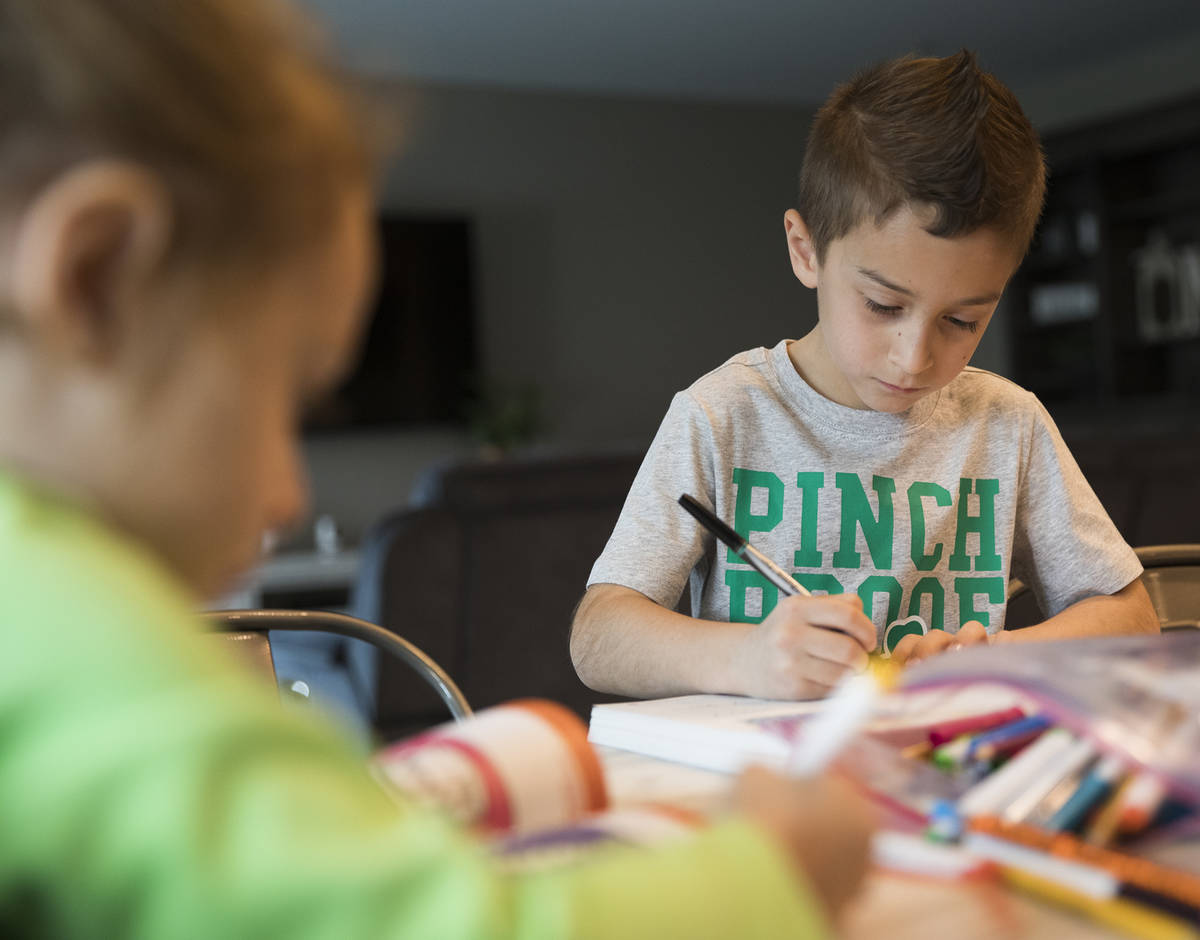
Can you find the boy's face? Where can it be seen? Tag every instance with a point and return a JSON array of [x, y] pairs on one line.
[[900, 311]]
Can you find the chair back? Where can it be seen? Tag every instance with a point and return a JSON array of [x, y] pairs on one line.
[[1171, 578], [486, 574]]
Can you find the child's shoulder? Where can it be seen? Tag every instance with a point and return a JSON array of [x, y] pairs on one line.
[[751, 368], [68, 564], [978, 390]]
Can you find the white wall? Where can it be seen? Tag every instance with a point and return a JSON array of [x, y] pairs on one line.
[[622, 249]]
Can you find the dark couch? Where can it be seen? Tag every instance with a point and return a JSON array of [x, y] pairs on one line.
[[484, 576]]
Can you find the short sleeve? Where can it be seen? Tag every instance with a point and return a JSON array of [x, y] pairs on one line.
[[1066, 548], [656, 544]]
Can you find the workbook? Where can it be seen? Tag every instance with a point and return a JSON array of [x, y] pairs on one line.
[[726, 733]]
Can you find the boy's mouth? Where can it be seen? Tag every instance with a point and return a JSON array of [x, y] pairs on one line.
[[901, 389]]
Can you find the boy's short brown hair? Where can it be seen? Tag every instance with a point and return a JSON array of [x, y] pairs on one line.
[[232, 103], [938, 133]]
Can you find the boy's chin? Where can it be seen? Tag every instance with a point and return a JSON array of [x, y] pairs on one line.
[[879, 397], [888, 404]]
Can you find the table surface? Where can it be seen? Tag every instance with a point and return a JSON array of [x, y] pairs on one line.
[[892, 906]]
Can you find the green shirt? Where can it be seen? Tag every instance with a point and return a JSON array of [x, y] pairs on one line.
[[151, 788]]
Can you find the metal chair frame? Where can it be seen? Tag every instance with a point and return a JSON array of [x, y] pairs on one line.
[[320, 621]]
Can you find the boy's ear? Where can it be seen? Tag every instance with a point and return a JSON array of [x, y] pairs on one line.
[[800, 249], [84, 250]]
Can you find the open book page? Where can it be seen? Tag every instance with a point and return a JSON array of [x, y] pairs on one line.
[[725, 733]]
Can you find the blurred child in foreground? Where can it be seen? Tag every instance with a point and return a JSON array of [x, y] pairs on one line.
[[186, 250]]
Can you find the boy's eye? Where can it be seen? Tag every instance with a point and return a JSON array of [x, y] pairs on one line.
[[880, 308]]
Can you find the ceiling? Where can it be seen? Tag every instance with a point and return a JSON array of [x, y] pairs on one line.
[[751, 50]]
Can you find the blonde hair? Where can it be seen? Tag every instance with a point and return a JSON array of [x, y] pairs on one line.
[[230, 101]]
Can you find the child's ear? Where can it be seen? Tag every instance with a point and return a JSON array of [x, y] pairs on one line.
[[800, 249], [84, 250]]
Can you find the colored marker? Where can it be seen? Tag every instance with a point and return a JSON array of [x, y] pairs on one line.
[[1068, 763], [1103, 827], [849, 706], [1007, 739], [974, 724], [1096, 785], [1086, 879], [1057, 798], [951, 755], [1141, 803], [1143, 874], [1124, 915], [911, 854], [992, 795]]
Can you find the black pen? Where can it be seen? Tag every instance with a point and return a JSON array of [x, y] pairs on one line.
[[742, 548]]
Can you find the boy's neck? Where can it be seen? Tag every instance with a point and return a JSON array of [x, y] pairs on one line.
[[811, 360]]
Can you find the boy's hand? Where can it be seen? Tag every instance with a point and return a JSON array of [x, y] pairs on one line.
[[822, 824], [803, 647], [912, 649]]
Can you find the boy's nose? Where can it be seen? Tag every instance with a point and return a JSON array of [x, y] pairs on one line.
[[912, 349]]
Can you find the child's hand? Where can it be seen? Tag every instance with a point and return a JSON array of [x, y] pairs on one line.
[[803, 647], [912, 649], [823, 825]]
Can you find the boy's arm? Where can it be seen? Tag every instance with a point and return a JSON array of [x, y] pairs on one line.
[[623, 642], [1127, 611]]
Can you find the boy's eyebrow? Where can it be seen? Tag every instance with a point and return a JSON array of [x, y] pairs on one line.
[[879, 279]]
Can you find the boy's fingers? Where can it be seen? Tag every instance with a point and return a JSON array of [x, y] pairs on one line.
[[923, 647], [833, 612], [972, 632], [832, 646], [938, 641], [818, 672], [904, 649]]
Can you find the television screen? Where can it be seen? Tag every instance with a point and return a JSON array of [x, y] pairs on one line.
[[418, 358]]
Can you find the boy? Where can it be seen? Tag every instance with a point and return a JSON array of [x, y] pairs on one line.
[[900, 487], [184, 253]]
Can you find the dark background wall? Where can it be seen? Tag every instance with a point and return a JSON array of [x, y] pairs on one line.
[[623, 246]]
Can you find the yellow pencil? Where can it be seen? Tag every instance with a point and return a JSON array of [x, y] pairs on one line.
[[1118, 913]]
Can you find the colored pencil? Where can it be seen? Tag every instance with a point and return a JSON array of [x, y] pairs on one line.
[[1092, 790]]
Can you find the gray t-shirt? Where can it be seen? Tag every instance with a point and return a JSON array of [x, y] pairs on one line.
[[926, 514]]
